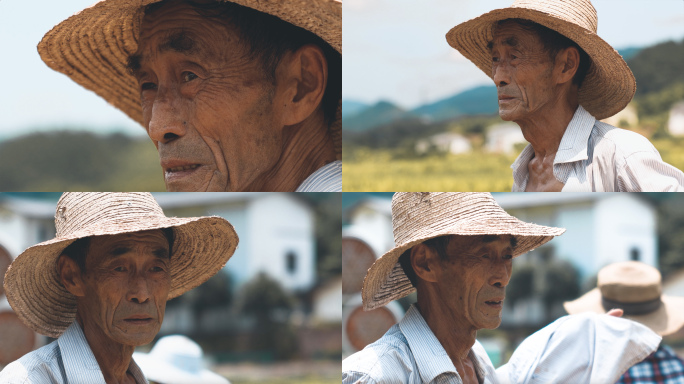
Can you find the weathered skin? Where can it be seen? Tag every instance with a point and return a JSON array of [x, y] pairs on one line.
[[121, 296], [536, 93], [209, 106]]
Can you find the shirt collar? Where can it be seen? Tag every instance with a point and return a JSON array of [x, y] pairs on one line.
[[80, 364], [573, 145], [431, 358]]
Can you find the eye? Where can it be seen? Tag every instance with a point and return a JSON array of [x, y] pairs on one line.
[[495, 59], [188, 76], [485, 256], [508, 257], [120, 269], [148, 86], [157, 269]]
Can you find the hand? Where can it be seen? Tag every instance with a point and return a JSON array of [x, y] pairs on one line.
[[617, 312]]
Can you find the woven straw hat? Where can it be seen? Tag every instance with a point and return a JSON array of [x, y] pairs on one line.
[[636, 288], [419, 216], [92, 47], [609, 85], [202, 246]]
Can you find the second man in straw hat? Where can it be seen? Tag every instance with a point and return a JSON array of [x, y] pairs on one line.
[[101, 285], [239, 95], [556, 78]]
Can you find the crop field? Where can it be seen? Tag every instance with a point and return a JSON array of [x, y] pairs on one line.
[[387, 171]]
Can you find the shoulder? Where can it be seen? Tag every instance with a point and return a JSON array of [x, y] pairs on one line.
[[39, 366], [388, 360], [623, 142], [326, 179]]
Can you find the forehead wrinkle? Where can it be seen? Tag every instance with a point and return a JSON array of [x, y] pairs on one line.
[[179, 41]]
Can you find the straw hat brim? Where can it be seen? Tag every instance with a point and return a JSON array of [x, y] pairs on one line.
[[92, 47], [202, 246], [606, 90], [386, 280], [666, 320]]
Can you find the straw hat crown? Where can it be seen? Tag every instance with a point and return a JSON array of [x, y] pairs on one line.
[[629, 282], [78, 211], [579, 12]]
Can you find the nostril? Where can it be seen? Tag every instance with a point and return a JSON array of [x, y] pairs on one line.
[[170, 136]]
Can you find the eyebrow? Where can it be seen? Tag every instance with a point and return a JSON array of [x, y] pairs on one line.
[[160, 253], [178, 41], [510, 41], [492, 238]]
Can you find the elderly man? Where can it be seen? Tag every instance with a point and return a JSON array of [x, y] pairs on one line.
[[456, 250], [101, 285], [556, 78], [236, 96]]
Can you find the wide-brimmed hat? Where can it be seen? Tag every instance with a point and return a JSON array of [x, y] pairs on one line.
[[636, 288], [419, 216], [609, 85], [176, 359], [201, 247], [92, 47]]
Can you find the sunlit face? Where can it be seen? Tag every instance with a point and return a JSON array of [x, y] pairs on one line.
[[473, 278], [522, 72], [208, 106], [127, 283]]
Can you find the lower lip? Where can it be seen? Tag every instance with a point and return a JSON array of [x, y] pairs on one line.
[[138, 321], [172, 175], [495, 305], [505, 100]]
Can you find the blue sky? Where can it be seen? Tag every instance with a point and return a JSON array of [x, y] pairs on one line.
[[396, 50]]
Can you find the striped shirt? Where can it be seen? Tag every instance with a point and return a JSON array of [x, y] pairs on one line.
[[596, 157], [67, 360], [328, 178], [410, 353], [661, 367]]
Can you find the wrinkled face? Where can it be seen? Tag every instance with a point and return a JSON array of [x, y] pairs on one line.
[[522, 72], [127, 282], [474, 276], [210, 109]]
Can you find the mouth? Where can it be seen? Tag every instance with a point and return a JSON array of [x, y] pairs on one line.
[[495, 303], [178, 169], [139, 320], [182, 168], [504, 98]]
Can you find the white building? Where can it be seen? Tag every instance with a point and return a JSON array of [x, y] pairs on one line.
[[675, 124], [371, 221], [444, 142], [502, 138]]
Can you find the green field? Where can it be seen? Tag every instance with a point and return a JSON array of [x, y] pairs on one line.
[[387, 171]]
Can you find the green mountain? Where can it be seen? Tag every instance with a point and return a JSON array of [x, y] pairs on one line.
[[480, 100], [352, 107], [381, 113]]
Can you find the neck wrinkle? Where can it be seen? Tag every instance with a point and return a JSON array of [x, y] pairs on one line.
[[307, 146]]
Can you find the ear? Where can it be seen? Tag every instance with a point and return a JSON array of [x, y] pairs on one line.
[[70, 274], [305, 74], [567, 63], [424, 262]]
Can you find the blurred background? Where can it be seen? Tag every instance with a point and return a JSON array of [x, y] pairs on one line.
[[272, 315], [602, 228], [417, 115], [54, 134]]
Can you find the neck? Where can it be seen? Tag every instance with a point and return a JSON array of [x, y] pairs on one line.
[[112, 357], [307, 146], [544, 129], [452, 330]]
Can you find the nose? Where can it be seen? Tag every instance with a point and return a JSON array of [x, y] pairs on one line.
[[138, 290], [501, 273], [501, 73], [166, 123]]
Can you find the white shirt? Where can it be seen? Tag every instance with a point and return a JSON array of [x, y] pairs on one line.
[[328, 178], [595, 156], [583, 348], [67, 360]]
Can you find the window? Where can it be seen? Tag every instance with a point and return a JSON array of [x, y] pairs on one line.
[[635, 254], [291, 263]]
